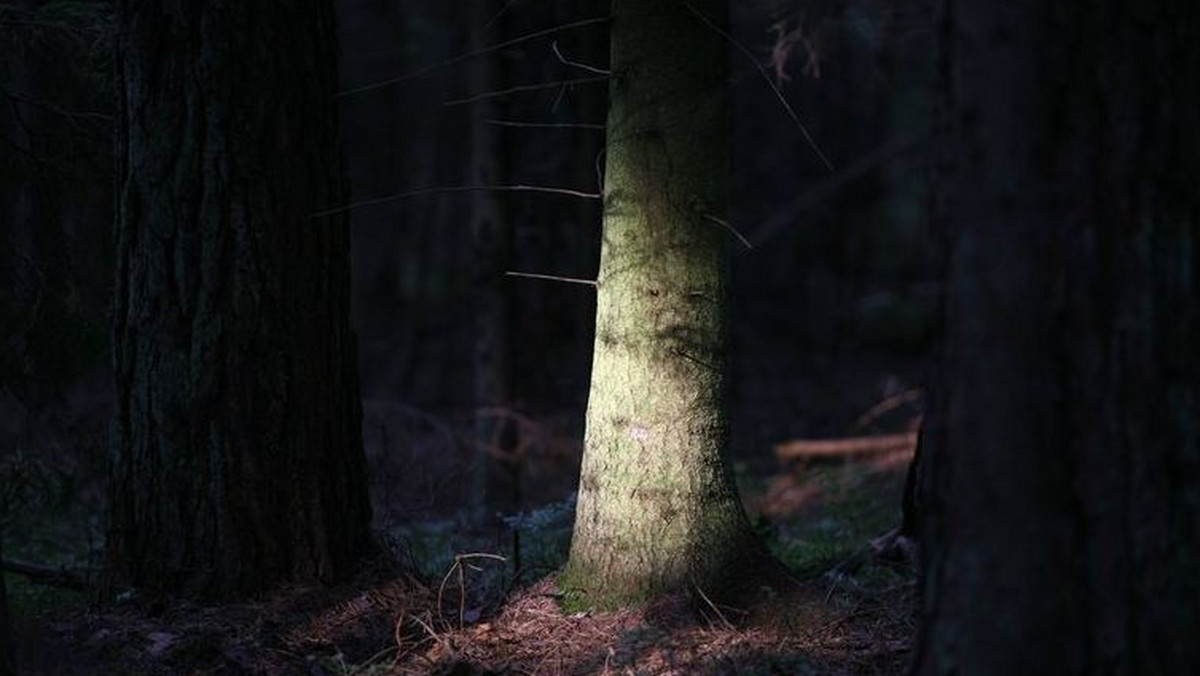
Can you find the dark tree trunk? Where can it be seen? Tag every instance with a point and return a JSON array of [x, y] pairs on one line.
[[7, 654], [238, 459], [1061, 527]]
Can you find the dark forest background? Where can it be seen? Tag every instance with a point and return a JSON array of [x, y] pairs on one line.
[[835, 304], [875, 174]]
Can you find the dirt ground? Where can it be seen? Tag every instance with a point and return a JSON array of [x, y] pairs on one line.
[[852, 613]]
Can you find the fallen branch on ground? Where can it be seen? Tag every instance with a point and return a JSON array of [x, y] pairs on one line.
[[53, 577], [833, 448]]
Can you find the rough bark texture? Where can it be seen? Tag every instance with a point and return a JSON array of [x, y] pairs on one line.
[[1061, 490], [238, 459], [657, 507]]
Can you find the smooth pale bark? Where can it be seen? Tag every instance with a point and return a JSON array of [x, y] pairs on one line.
[[238, 460], [658, 510], [1061, 482]]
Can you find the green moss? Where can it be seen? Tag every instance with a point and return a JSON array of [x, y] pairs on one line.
[[583, 591], [858, 505]]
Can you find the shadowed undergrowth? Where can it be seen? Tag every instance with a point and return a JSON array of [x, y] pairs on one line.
[[452, 601]]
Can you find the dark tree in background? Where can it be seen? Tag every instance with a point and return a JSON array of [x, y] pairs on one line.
[[55, 180], [55, 147], [239, 460], [1062, 495], [6, 648]]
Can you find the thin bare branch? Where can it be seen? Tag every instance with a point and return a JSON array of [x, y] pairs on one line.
[[456, 189], [562, 94], [724, 620], [544, 125], [766, 78], [483, 96], [553, 278], [433, 634], [462, 589], [822, 191], [725, 224], [567, 62], [499, 13], [600, 168], [469, 55]]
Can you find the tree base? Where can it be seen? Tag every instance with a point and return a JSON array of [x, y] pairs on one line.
[[753, 576]]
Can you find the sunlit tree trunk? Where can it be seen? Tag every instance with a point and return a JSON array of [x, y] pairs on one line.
[[238, 459], [658, 509], [1061, 497]]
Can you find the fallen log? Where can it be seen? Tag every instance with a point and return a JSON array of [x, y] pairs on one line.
[[53, 577], [801, 449]]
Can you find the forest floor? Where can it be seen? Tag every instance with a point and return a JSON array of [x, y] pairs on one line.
[[448, 605]]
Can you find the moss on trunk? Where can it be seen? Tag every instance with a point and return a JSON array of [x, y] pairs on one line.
[[658, 509]]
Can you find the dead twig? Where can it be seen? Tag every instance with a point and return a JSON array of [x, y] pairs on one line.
[[462, 589], [518, 89], [725, 224], [456, 189], [552, 278], [724, 620], [479, 52], [766, 78], [544, 125], [434, 635], [567, 62]]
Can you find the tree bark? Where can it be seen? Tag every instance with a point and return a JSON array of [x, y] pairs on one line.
[[1061, 489], [238, 459], [658, 509]]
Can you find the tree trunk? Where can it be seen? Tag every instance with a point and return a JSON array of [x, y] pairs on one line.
[[8, 665], [1061, 497], [238, 459], [658, 509], [492, 250]]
